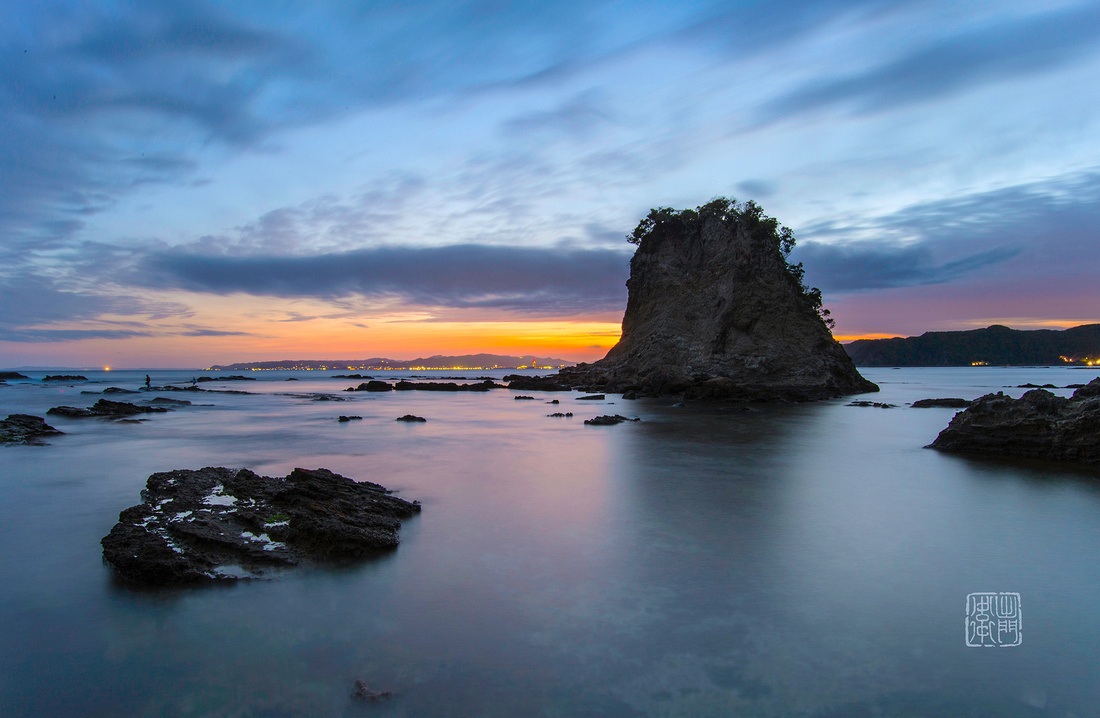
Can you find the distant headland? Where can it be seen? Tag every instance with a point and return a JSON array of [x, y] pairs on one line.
[[432, 363], [993, 346]]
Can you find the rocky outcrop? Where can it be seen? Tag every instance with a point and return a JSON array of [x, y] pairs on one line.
[[372, 385], [1038, 425], [107, 409], [25, 429], [65, 377], [486, 385], [411, 419], [227, 524], [949, 403], [715, 310], [608, 420], [12, 375], [235, 377], [536, 383]]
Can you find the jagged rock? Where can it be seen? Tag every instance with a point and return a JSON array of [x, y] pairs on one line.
[[410, 418], [25, 429], [559, 415], [715, 311], [373, 385], [1039, 424], [65, 377], [592, 397], [445, 386], [520, 382], [606, 420], [105, 408], [950, 403], [12, 375], [349, 418], [524, 398], [226, 524]]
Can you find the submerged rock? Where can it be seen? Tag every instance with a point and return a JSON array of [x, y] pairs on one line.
[[715, 311], [25, 429], [1039, 424], [607, 420], [226, 524], [106, 408], [950, 403]]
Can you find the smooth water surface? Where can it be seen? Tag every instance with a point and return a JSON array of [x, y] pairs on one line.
[[799, 560]]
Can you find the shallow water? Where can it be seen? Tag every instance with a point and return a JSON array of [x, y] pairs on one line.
[[808, 560]]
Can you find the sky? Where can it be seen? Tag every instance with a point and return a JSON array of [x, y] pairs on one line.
[[190, 183]]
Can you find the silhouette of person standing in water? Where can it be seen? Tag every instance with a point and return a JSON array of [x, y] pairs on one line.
[[148, 383]]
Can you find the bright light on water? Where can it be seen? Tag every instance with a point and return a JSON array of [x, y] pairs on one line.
[[808, 560]]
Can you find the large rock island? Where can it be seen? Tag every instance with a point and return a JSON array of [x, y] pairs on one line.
[[716, 311], [226, 524], [1037, 425]]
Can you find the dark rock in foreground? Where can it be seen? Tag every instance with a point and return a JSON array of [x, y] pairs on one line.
[[106, 408], [410, 418], [950, 403], [1038, 425], [225, 524], [12, 375], [65, 377], [715, 311], [606, 420], [25, 429]]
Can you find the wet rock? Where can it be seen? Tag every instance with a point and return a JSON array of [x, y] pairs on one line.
[[349, 418], [1039, 424], [410, 418], [876, 404], [227, 524], [105, 408], [607, 420], [593, 397], [364, 693], [65, 377], [25, 429], [486, 385], [521, 382], [950, 403], [373, 385]]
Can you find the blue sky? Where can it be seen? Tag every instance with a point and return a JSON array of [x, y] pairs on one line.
[[184, 183]]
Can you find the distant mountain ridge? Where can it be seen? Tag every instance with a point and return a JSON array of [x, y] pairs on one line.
[[435, 362], [995, 345]]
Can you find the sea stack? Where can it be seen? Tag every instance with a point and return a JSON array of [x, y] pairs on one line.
[[716, 311]]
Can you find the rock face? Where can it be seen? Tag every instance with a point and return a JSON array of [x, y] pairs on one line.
[[226, 524], [714, 310], [1038, 425], [25, 429]]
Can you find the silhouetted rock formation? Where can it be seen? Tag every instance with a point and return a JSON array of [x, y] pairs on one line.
[[25, 429], [372, 385], [996, 345], [12, 375], [226, 524], [445, 386], [536, 383], [411, 419], [65, 377], [950, 403], [105, 408], [1038, 424], [715, 310], [608, 420]]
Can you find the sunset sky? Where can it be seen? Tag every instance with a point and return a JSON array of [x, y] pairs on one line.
[[184, 183]]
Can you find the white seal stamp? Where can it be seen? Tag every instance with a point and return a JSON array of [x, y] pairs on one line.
[[993, 620]]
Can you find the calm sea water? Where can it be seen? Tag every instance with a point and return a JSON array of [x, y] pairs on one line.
[[805, 560]]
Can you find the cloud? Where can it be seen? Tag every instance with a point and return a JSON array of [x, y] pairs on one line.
[[1039, 233], [1023, 46], [521, 279]]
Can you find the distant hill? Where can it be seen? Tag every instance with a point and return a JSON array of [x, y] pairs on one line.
[[995, 345], [436, 362]]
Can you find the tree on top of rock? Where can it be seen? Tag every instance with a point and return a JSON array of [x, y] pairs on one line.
[[745, 215]]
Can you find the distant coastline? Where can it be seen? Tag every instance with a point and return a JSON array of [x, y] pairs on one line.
[[437, 362], [993, 346]]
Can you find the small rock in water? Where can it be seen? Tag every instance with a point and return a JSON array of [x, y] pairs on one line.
[[349, 418], [410, 418], [607, 420], [107, 409], [594, 397], [949, 403], [522, 398], [363, 692], [554, 401], [877, 404], [559, 415]]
